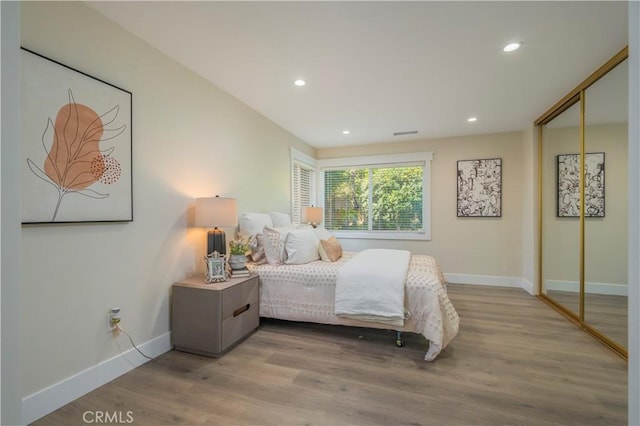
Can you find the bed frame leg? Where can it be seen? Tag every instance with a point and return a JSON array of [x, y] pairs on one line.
[[399, 342]]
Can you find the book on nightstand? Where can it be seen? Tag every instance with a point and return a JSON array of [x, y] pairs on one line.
[[239, 273]]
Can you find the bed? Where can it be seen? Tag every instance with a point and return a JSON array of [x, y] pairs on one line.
[[305, 290]]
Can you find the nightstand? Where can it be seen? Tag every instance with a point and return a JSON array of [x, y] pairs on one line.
[[209, 319]]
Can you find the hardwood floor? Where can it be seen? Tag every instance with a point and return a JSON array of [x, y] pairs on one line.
[[514, 362]]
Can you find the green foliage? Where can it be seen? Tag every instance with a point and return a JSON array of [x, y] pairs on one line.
[[396, 199], [240, 245]]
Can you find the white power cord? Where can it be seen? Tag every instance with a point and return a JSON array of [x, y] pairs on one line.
[[118, 328]]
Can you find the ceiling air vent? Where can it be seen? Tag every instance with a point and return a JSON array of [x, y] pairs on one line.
[[410, 132]]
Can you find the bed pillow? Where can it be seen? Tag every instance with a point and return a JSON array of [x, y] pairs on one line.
[[254, 223], [280, 220], [301, 246], [330, 250]]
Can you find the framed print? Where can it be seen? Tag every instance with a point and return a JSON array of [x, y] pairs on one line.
[[216, 270], [76, 145], [480, 188], [568, 187]]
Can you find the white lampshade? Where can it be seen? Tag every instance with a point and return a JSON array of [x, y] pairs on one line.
[[312, 214], [216, 212]]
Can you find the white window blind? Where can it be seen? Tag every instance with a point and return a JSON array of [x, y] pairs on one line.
[[301, 191], [303, 183], [374, 199], [379, 197]]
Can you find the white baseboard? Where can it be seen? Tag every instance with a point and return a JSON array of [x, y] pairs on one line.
[[528, 286], [560, 285], [491, 280], [590, 287], [59, 394]]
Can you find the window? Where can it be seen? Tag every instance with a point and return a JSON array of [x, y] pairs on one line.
[[377, 197], [302, 183]]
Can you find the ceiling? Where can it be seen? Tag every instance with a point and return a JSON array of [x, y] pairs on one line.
[[375, 68]]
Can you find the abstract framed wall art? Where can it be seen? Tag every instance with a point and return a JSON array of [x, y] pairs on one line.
[[568, 185], [480, 188], [76, 145]]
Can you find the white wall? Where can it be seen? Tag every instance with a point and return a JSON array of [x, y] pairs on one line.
[[634, 214], [480, 250], [190, 139], [9, 214]]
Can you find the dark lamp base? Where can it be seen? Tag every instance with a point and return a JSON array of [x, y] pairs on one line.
[[216, 241]]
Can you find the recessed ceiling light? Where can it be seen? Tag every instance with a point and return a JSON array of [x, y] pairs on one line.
[[472, 119], [345, 132], [299, 82], [512, 46]]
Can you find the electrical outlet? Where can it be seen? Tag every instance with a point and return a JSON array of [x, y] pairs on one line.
[[113, 319], [110, 326]]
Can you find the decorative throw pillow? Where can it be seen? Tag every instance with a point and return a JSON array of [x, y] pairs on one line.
[[273, 240], [322, 234], [256, 246], [301, 246], [330, 250]]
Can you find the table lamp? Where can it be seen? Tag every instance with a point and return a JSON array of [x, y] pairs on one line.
[[312, 215], [214, 212]]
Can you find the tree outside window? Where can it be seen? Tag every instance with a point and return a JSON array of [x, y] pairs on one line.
[[374, 199]]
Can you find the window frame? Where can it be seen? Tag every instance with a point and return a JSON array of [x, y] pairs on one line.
[[393, 160]]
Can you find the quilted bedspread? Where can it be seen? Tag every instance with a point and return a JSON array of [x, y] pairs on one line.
[[370, 286], [307, 293]]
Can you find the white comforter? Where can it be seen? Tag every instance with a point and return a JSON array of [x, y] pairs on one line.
[[307, 293], [370, 286]]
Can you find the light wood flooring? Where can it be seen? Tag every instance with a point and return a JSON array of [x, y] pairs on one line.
[[515, 362]]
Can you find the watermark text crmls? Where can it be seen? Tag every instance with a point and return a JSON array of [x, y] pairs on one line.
[[110, 417]]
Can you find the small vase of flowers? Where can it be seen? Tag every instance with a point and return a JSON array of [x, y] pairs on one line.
[[238, 248]]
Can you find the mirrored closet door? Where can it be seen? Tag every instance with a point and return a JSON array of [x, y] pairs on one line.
[[561, 238], [583, 204], [605, 233]]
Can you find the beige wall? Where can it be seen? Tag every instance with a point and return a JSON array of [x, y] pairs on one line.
[[190, 139], [10, 288], [468, 246]]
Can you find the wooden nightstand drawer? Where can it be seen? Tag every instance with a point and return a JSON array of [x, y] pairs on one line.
[[251, 290], [208, 319], [235, 327], [236, 297], [231, 300]]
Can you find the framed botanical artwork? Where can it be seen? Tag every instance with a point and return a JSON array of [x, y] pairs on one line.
[[568, 185], [480, 188], [76, 145]]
